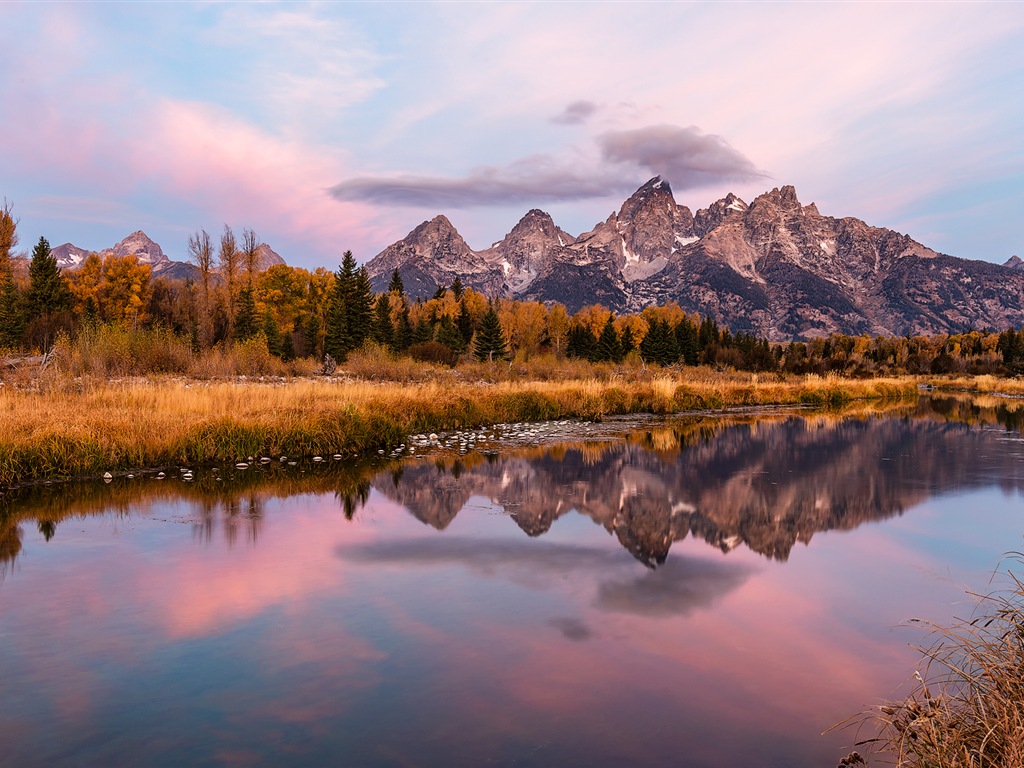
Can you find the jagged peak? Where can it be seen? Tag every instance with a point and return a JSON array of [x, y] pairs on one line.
[[1014, 262], [784, 198]]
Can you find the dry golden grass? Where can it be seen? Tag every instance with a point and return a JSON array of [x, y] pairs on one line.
[[78, 427], [966, 705], [984, 384]]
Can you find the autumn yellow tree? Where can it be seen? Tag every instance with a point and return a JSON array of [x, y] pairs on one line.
[[124, 291]]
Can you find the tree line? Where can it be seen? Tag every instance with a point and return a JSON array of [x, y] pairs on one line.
[[302, 313]]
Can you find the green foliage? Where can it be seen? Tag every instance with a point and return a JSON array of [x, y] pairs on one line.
[[48, 291], [659, 345], [245, 318], [608, 347], [383, 330], [396, 286], [490, 339], [581, 342], [448, 334]]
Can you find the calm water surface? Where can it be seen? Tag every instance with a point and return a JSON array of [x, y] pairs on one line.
[[709, 592]]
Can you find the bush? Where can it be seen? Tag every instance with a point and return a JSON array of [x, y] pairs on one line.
[[434, 352]]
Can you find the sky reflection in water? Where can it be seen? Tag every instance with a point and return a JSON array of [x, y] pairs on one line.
[[700, 597]]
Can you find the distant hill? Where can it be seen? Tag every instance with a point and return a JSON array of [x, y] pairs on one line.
[[139, 244]]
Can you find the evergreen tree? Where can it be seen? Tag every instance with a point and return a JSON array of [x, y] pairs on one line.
[[424, 331], [383, 330], [48, 291], [245, 317], [659, 345], [608, 348], [707, 338], [688, 342], [490, 339], [288, 343], [337, 340], [465, 323], [457, 289], [403, 330], [396, 286], [360, 309], [275, 342], [448, 334], [11, 326], [627, 343], [581, 342], [440, 292]]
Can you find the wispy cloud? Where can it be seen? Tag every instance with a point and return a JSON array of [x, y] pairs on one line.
[[686, 157]]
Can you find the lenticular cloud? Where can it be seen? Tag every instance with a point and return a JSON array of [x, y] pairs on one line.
[[684, 156]]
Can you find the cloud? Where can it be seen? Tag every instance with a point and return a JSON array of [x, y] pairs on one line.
[[679, 587], [684, 156], [575, 113]]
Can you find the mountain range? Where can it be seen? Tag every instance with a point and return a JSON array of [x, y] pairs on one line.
[[139, 244], [773, 267]]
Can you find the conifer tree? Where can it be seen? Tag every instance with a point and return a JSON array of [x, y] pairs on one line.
[[337, 341], [627, 344], [245, 319], [581, 342], [403, 330], [48, 291], [608, 349], [10, 314], [687, 341], [383, 330], [359, 309], [465, 324], [272, 331], [396, 285], [457, 289], [448, 334], [440, 292], [490, 339]]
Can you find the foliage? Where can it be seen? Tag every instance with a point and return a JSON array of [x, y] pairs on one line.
[[490, 339]]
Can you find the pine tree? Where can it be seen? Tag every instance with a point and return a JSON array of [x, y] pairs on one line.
[[659, 345], [608, 349], [245, 317], [440, 292], [48, 291], [465, 324], [275, 343], [627, 343], [10, 311], [337, 341], [403, 330], [689, 345], [448, 334], [383, 330], [457, 289], [581, 342], [360, 309], [490, 339], [396, 285], [424, 331]]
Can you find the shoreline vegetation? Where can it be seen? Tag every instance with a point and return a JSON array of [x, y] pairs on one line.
[[57, 425], [964, 707]]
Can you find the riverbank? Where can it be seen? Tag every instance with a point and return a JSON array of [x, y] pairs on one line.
[[88, 427]]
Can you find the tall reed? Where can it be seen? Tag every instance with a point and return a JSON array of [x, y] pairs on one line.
[[965, 708]]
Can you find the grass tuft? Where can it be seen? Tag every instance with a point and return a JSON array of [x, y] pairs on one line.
[[965, 708]]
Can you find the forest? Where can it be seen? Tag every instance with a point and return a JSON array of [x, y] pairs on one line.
[[113, 309]]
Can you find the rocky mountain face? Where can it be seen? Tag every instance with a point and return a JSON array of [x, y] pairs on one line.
[[774, 267], [139, 244]]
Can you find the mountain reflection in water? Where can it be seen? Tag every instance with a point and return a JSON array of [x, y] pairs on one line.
[[762, 482], [395, 614], [766, 485]]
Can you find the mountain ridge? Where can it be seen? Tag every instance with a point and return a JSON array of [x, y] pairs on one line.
[[774, 267]]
